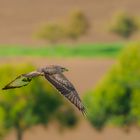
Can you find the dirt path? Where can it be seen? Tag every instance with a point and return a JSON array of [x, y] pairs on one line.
[[82, 132]]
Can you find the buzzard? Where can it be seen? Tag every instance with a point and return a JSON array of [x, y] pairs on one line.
[[54, 74]]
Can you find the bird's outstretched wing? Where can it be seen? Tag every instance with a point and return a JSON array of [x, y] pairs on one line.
[[22, 80], [64, 86]]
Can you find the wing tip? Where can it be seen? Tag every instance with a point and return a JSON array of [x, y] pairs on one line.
[[84, 112], [5, 88]]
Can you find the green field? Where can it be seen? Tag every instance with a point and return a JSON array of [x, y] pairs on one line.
[[81, 50]]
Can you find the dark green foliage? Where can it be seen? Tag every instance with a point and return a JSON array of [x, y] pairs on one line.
[[66, 117], [124, 25], [28, 106], [116, 98]]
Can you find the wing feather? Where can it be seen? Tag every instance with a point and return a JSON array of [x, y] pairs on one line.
[[22, 80], [65, 87]]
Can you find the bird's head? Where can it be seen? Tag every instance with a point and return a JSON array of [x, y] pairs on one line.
[[52, 69], [60, 68]]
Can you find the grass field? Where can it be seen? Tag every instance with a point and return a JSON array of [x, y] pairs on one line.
[[81, 50]]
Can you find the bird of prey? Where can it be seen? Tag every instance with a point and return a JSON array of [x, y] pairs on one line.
[[54, 74]]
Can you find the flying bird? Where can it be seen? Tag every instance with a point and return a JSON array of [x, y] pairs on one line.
[[54, 74]]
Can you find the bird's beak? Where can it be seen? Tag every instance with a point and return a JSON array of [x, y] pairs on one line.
[[66, 69]]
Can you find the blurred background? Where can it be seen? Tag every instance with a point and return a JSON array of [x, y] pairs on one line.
[[98, 41]]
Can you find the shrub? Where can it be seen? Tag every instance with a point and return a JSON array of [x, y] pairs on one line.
[[28, 106], [124, 25], [78, 25], [116, 98], [51, 32], [2, 128]]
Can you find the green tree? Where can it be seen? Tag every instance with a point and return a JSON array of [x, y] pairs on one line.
[[28, 106], [2, 128], [52, 32], [116, 98], [78, 25], [124, 25]]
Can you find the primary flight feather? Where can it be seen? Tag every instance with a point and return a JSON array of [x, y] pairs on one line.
[[54, 74]]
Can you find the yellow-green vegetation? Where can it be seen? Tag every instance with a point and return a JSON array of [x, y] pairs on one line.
[[53, 32], [78, 25], [116, 99], [2, 128], [28, 106], [124, 25]]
